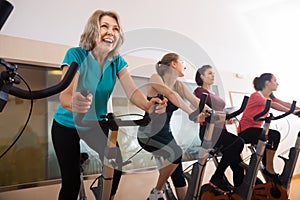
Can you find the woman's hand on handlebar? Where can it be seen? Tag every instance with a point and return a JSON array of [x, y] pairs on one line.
[[297, 112], [231, 121], [80, 103], [201, 118], [157, 105], [215, 116]]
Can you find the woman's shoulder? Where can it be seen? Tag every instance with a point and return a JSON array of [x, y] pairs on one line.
[[155, 76], [200, 90], [117, 57], [75, 54], [257, 98], [256, 94], [77, 50], [119, 60]]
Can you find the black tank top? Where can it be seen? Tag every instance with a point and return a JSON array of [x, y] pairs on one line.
[[161, 122]]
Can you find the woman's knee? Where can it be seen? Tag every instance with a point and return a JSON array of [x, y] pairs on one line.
[[175, 155], [273, 139], [177, 177], [239, 145]]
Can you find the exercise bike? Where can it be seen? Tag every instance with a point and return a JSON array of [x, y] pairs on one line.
[[195, 178], [271, 190], [103, 188], [195, 175], [246, 190], [289, 165], [112, 122]]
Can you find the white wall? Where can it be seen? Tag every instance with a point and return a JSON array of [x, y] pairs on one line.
[[248, 37]]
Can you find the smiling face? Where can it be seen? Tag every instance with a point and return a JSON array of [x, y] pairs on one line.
[[109, 33], [180, 67]]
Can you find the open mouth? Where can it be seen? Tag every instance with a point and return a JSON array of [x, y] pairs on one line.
[[109, 41]]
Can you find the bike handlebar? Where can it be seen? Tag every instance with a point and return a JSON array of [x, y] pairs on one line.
[[265, 111], [293, 106], [202, 102], [79, 116], [39, 94], [239, 111], [110, 120], [259, 117], [216, 115]]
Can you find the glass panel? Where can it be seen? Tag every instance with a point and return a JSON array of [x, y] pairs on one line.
[[32, 158], [185, 131], [27, 159]]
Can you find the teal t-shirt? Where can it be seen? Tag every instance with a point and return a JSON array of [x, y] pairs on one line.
[[100, 84]]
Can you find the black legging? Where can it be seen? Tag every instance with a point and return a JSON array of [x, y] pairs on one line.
[[66, 142], [231, 149], [167, 148], [251, 136]]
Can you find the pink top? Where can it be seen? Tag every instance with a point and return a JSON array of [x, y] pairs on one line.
[[255, 105], [213, 101]]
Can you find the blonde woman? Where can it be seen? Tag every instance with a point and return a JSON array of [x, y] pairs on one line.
[[100, 66]]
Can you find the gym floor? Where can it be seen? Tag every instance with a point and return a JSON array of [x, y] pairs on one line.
[[134, 186]]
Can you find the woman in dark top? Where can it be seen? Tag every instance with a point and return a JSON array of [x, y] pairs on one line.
[[157, 137], [231, 145]]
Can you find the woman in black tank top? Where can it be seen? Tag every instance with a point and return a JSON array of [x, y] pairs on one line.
[[157, 137]]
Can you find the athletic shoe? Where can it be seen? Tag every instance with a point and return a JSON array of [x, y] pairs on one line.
[[156, 195]]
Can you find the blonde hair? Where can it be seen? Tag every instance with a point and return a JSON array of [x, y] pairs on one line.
[[92, 30], [163, 65]]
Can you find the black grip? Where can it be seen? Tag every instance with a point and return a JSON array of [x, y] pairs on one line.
[[79, 116], [84, 92], [239, 111], [153, 114], [5, 10], [160, 96], [7, 65], [202, 102], [266, 110], [47, 92], [292, 108]]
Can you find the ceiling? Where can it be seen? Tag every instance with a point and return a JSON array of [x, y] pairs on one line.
[[249, 36]]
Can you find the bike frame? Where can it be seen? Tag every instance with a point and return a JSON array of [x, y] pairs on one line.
[[109, 161], [245, 190], [289, 165], [195, 179]]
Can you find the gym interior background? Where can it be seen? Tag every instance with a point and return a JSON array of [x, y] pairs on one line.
[[241, 40]]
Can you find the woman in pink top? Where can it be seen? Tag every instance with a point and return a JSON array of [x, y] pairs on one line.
[[250, 130]]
